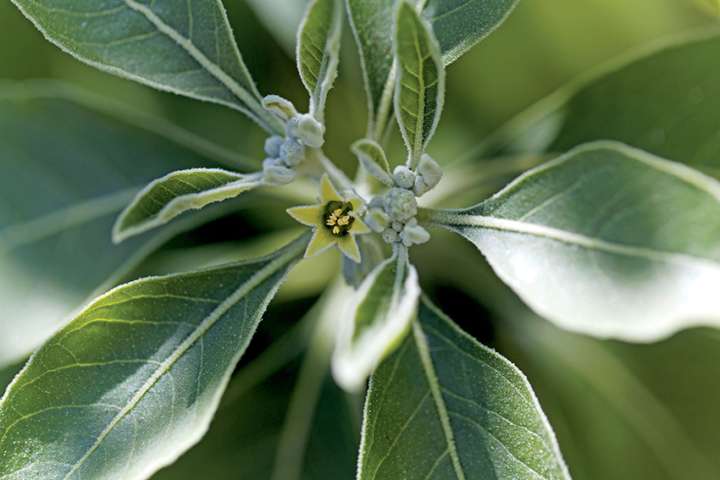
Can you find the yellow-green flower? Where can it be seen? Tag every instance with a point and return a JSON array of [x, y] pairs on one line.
[[335, 221]]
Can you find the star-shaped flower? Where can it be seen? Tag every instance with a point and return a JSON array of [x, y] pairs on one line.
[[335, 221]]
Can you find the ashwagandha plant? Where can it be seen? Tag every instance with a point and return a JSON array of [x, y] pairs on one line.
[[603, 238]]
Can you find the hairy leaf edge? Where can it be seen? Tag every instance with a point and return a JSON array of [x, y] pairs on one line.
[[416, 148], [705, 183], [295, 249], [318, 96], [266, 122], [555, 446], [180, 204]]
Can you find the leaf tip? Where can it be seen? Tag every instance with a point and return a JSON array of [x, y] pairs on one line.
[[119, 233]]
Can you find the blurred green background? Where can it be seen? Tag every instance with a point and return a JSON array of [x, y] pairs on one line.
[[620, 411]]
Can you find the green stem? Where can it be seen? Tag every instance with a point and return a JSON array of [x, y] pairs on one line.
[[293, 441], [336, 175], [483, 177], [429, 216], [290, 455]]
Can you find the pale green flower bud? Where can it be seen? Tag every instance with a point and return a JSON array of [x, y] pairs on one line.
[[309, 131], [377, 202], [278, 175], [291, 127], [400, 204], [390, 236], [272, 146], [430, 171], [404, 177], [414, 234], [292, 152], [420, 188], [272, 162], [377, 220]]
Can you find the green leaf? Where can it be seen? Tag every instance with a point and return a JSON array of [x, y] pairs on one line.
[[607, 240], [7, 374], [60, 195], [372, 157], [666, 102], [444, 406], [176, 193], [420, 87], [590, 389], [278, 415], [134, 380], [458, 25], [378, 320], [318, 51], [182, 47]]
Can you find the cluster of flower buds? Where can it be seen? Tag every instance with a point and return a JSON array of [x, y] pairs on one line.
[[421, 181], [284, 154], [393, 213]]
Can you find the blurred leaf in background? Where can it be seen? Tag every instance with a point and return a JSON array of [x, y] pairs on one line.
[[649, 407], [64, 184]]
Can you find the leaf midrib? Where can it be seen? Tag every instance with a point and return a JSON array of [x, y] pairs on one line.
[[421, 341], [218, 73], [125, 228], [419, 139], [380, 121], [457, 220], [434, 385], [207, 323], [187, 45]]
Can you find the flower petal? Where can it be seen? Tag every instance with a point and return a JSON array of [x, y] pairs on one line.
[[321, 241], [310, 215], [328, 192], [348, 245], [356, 203], [359, 227]]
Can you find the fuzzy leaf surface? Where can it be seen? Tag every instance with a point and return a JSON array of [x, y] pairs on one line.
[[186, 48], [134, 380], [445, 407], [458, 26], [420, 88], [55, 244], [606, 240], [380, 317], [178, 192], [318, 52]]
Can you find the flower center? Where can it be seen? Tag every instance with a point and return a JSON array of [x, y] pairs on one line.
[[337, 218]]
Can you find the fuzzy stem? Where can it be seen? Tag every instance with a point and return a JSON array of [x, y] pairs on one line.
[[336, 175]]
